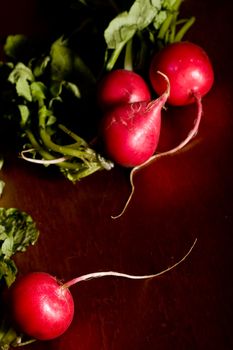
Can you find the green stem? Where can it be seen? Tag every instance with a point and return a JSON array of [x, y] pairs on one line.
[[116, 53], [165, 26], [64, 150], [167, 23], [128, 62], [84, 171], [181, 21], [48, 156], [142, 52], [9, 337], [88, 160], [176, 5], [36, 145], [173, 27], [179, 36]]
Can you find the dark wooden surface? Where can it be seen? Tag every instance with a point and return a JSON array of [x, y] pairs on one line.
[[177, 199]]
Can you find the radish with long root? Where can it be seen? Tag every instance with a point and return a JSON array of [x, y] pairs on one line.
[[43, 308], [191, 76], [130, 132]]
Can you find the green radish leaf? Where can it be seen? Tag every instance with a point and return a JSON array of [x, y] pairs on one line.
[[123, 27], [7, 247], [24, 113], [17, 231], [13, 44], [38, 91], [8, 271], [40, 66], [21, 76]]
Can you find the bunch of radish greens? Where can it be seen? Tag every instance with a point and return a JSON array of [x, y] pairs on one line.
[[18, 230], [52, 93]]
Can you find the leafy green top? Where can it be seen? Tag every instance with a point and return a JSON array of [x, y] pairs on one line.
[[17, 232], [48, 95]]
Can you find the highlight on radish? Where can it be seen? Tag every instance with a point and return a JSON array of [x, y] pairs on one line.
[[43, 308]]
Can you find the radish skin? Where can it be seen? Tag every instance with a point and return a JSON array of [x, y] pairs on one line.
[[40, 307], [130, 132], [122, 86], [188, 69]]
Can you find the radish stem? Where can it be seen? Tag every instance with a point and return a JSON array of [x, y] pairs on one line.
[[180, 34], [114, 56], [128, 61]]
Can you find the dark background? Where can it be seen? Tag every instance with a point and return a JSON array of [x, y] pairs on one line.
[[177, 199]]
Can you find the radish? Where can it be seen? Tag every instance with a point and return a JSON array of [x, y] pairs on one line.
[[188, 69], [40, 306], [43, 308], [122, 86], [190, 73], [130, 131]]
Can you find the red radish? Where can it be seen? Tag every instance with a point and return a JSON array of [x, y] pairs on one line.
[[43, 307], [188, 69], [122, 86], [40, 306], [191, 76], [130, 131]]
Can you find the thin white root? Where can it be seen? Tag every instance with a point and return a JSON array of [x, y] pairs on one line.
[[119, 274], [134, 170], [40, 161], [192, 133]]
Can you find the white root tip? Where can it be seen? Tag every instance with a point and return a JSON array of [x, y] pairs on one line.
[[167, 91], [24, 156]]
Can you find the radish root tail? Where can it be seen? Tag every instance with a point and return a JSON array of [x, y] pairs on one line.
[[192, 133], [119, 274]]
